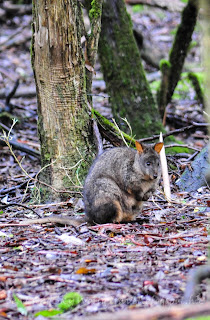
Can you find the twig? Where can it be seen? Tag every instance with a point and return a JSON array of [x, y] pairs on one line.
[[6, 138], [98, 95], [193, 126], [164, 5], [5, 191], [193, 156], [120, 132], [182, 146], [172, 312], [22, 147], [19, 31], [5, 128], [12, 92], [19, 205]]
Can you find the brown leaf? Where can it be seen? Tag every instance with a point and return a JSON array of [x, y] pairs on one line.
[[84, 270], [3, 294]]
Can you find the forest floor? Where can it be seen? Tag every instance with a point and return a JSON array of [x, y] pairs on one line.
[[113, 266]]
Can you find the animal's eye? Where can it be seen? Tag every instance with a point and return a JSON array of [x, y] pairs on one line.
[[148, 163]]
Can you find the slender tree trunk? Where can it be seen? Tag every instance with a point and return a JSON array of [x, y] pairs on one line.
[[181, 45], [127, 86], [63, 115]]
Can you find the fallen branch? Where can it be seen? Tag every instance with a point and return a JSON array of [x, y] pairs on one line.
[[3, 206], [162, 4], [171, 313], [17, 9], [22, 92], [22, 185], [111, 133], [193, 126], [182, 146], [22, 147]]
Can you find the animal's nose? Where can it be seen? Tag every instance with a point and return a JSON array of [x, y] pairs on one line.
[[155, 176]]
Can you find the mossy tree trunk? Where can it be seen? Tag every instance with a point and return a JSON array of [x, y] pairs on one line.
[[64, 119], [127, 86], [171, 70], [181, 45]]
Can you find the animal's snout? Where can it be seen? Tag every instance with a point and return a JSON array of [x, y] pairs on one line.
[[155, 176]]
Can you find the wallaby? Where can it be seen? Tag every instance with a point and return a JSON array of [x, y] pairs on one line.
[[119, 180], [117, 183]]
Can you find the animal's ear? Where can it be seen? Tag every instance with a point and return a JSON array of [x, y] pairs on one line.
[[139, 147], [158, 146]]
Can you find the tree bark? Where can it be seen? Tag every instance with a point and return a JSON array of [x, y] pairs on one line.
[[171, 70], [127, 86], [181, 45], [64, 120]]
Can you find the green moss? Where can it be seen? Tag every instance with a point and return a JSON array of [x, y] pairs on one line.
[[164, 64], [181, 45], [175, 150], [173, 32], [95, 10], [130, 94], [137, 8], [47, 156]]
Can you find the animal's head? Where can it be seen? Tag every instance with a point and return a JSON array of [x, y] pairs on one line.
[[147, 161]]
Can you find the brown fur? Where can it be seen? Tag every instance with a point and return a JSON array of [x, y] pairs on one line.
[[118, 182]]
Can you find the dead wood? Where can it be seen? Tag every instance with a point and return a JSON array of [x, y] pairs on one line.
[[162, 4], [22, 147], [20, 186], [111, 133], [16, 9], [3, 206], [173, 312], [22, 91], [12, 92], [192, 127]]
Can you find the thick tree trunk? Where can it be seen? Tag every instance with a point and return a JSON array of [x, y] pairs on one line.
[[130, 93], [63, 115]]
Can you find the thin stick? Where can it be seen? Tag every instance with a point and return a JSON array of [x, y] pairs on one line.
[[166, 183]]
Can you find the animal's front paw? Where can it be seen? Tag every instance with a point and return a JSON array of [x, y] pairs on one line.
[[147, 195]]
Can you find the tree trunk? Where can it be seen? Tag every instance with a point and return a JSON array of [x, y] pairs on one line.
[[181, 44], [63, 115], [127, 86]]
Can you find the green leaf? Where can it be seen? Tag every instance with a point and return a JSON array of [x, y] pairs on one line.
[[48, 313], [1, 212], [20, 306], [70, 300]]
